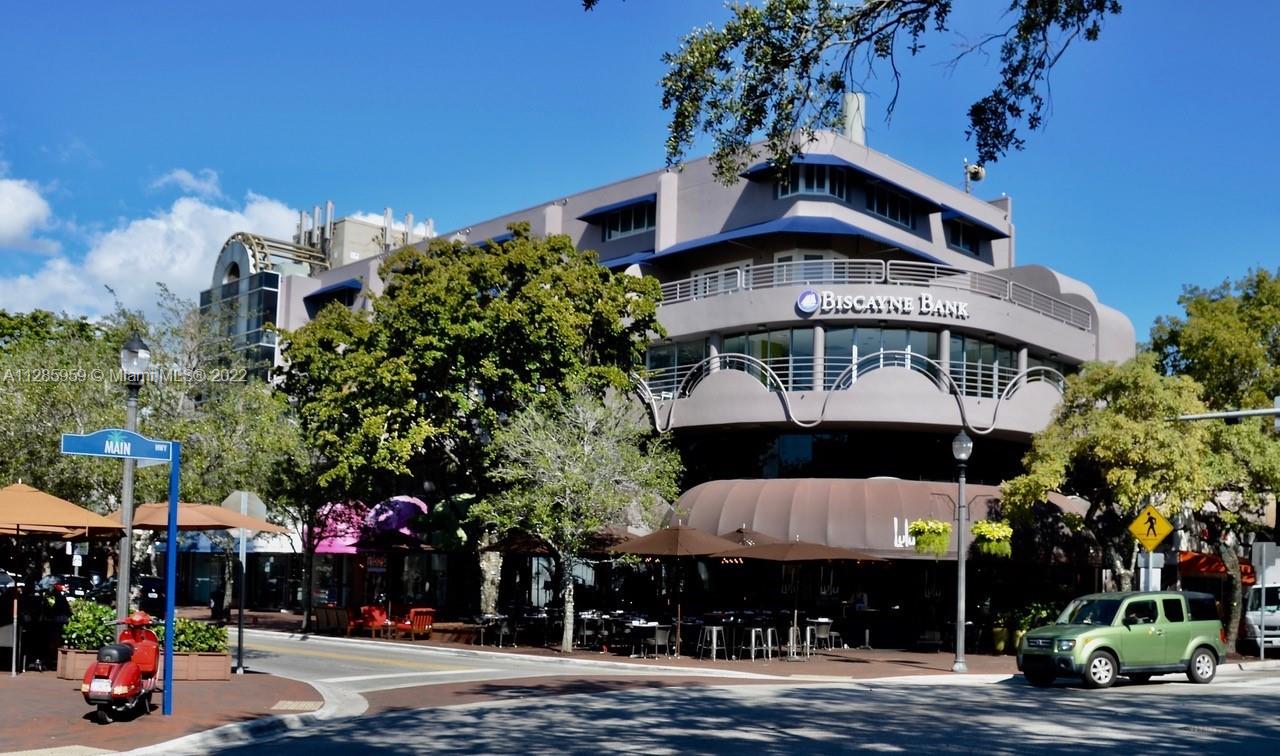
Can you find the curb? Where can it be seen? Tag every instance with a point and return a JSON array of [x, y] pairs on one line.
[[1245, 667], [470, 653]]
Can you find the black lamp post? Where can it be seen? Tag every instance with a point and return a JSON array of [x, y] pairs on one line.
[[135, 360], [961, 448]]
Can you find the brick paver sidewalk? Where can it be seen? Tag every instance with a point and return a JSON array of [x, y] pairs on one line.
[[40, 711]]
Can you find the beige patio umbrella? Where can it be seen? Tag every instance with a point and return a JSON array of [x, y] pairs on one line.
[[24, 507], [675, 541], [155, 516]]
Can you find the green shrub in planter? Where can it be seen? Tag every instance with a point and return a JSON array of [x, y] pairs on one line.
[[933, 537], [90, 627], [190, 636]]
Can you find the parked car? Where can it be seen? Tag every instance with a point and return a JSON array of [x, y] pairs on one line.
[[1251, 634], [1103, 635], [147, 594], [72, 586]]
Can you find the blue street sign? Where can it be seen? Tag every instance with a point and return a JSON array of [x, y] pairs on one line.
[[115, 442]]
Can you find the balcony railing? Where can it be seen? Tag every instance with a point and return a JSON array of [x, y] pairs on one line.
[[842, 373], [900, 272]]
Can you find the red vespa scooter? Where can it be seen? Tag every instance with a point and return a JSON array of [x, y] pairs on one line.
[[124, 676]]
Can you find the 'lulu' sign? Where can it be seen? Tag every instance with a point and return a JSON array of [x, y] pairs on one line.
[[813, 301]]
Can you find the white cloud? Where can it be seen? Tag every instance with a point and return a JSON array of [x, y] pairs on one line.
[[203, 185], [23, 212], [419, 228], [176, 247]]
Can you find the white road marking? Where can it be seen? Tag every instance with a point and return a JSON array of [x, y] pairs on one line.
[[361, 678]]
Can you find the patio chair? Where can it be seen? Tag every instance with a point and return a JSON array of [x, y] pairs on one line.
[[349, 620], [824, 636], [661, 638], [373, 619], [418, 623], [324, 620]]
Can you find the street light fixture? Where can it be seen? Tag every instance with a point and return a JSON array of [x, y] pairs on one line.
[[135, 360], [961, 448]]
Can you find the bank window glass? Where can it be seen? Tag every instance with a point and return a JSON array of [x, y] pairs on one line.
[[867, 340], [1172, 609], [890, 205], [962, 236], [629, 221], [803, 179], [837, 353]]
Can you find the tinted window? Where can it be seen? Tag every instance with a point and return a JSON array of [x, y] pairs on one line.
[[1090, 612], [1172, 610], [1140, 613], [1202, 609]]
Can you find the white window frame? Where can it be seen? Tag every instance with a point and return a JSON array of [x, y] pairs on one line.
[[823, 186], [965, 227], [821, 270], [890, 194], [727, 277]]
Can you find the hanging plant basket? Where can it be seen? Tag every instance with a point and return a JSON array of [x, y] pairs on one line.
[[932, 537], [993, 538]]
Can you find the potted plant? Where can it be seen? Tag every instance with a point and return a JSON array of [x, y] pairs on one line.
[[90, 627], [199, 650], [1000, 630], [992, 538], [931, 536]]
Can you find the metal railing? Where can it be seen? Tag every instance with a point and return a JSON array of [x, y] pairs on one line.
[[900, 272], [798, 373]]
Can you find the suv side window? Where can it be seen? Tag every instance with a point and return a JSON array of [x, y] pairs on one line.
[[1140, 612], [1202, 609], [1172, 609]]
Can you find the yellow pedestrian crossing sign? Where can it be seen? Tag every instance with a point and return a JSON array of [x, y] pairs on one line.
[[1150, 527]]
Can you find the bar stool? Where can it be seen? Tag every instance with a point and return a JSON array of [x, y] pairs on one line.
[[712, 638], [753, 641]]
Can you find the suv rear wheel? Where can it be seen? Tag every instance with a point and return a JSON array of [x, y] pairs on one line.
[[1100, 671], [1203, 666]]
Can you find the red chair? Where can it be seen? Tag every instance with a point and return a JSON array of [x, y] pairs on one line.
[[374, 619], [350, 620], [418, 623]]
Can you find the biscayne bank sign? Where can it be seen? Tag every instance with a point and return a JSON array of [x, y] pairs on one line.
[[812, 301]]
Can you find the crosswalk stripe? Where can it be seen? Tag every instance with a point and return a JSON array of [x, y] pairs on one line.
[[359, 678]]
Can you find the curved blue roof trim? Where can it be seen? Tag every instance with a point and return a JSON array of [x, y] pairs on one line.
[[625, 260], [949, 212], [351, 283], [594, 213], [795, 224]]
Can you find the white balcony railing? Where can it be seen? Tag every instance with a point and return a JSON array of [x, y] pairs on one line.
[[842, 373], [900, 272]]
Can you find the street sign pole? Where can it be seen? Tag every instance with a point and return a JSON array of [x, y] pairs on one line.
[[244, 510], [171, 574]]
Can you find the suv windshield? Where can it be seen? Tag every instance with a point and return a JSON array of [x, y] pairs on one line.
[[1089, 612], [1273, 598]]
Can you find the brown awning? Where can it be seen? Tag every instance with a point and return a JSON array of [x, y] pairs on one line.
[[867, 515]]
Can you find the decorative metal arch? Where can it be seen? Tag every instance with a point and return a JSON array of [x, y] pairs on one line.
[[898, 358]]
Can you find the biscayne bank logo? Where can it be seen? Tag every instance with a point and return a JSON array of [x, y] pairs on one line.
[[808, 301]]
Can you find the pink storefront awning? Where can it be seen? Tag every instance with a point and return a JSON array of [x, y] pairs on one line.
[[349, 524]]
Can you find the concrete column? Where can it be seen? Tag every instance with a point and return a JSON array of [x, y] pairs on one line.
[[714, 344], [819, 357], [666, 233], [1022, 359], [944, 350], [553, 219]]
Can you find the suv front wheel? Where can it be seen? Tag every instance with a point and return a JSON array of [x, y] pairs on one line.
[[1203, 666], [1100, 672]]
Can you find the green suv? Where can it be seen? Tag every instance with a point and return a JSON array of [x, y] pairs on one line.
[[1102, 635]]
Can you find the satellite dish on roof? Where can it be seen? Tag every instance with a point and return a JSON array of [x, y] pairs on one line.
[[973, 173]]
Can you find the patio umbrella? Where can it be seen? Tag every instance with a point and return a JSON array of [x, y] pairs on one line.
[[676, 541], [21, 506], [797, 551], [745, 536], [155, 516]]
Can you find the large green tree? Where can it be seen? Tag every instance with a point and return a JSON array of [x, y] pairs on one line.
[[779, 69], [1113, 442], [462, 338], [1228, 339], [573, 466]]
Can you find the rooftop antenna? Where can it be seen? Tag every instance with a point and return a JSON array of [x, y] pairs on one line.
[[973, 173]]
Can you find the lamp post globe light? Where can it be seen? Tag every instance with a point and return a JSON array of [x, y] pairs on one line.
[[135, 360], [961, 448]]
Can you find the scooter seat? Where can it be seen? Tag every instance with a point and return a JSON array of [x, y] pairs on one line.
[[116, 653]]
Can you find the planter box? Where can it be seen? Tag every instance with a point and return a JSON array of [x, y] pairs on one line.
[[73, 664], [191, 666]]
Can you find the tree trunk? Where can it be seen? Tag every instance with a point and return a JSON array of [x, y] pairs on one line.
[[1121, 576], [490, 573], [1232, 562], [566, 591], [309, 568]]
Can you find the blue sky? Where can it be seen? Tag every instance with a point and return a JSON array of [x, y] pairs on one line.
[[135, 138]]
